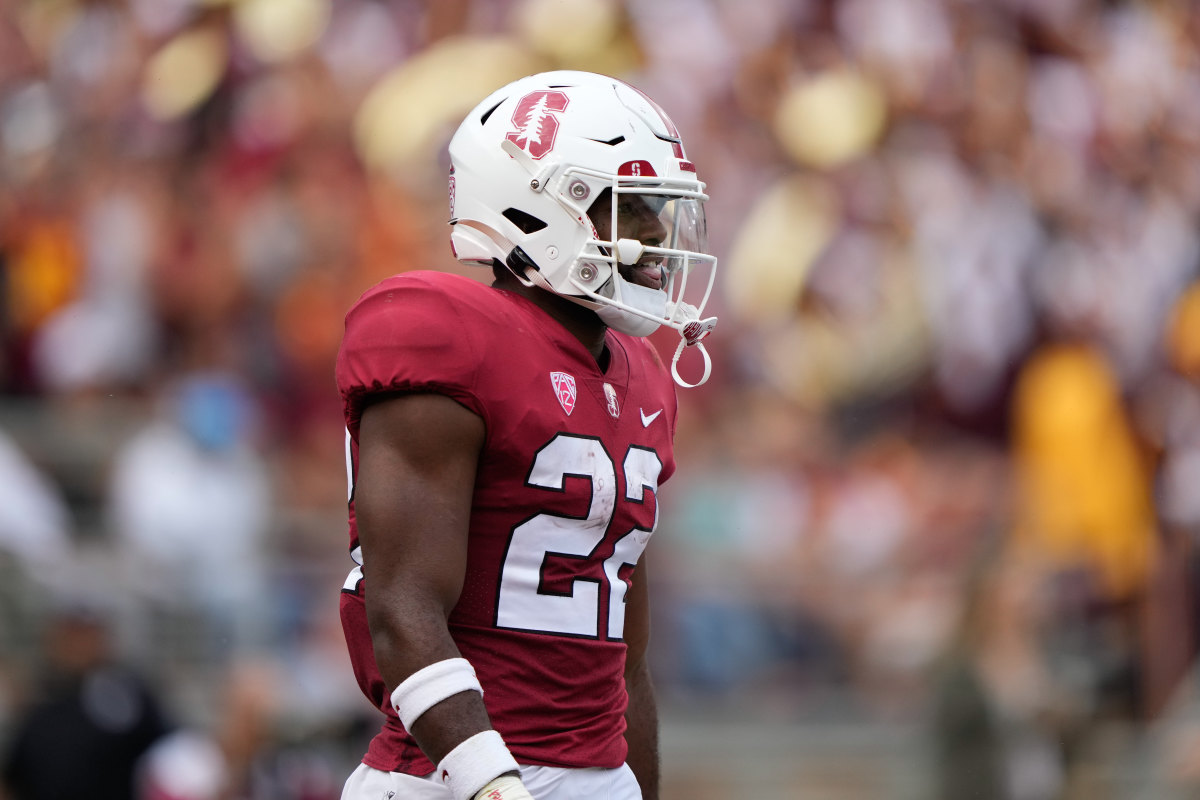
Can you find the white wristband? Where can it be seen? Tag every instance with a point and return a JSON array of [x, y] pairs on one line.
[[431, 685], [475, 763]]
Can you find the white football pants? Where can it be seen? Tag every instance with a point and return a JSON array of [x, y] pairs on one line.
[[544, 783]]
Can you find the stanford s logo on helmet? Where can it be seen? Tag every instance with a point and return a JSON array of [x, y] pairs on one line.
[[536, 118], [530, 161]]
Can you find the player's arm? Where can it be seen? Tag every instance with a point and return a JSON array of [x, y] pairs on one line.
[[416, 475], [641, 717]]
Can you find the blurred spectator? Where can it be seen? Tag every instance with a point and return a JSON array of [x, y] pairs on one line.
[[190, 503], [731, 542], [185, 765], [104, 334], [1084, 483], [89, 720], [1169, 415], [243, 753], [918, 204], [36, 552], [1003, 721], [1175, 766], [1084, 510], [35, 522]]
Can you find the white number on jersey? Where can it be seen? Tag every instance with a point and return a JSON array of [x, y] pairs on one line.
[[521, 604]]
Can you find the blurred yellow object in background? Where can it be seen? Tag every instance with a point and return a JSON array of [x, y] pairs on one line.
[[830, 119], [184, 73], [1084, 486], [396, 130], [566, 30], [276, 30], [44, 273], [782, 234], [1183, 333]]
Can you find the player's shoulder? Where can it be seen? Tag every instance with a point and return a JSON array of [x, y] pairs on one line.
[[425, 301], [424, 287], [434, 281], [416, 331]]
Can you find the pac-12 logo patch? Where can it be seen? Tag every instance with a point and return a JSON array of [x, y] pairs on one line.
[[564, 390], [536, 118]]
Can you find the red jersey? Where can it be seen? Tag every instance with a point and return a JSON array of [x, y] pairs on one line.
[[564, 503]]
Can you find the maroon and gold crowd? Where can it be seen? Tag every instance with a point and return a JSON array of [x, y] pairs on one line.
[[945, 469]]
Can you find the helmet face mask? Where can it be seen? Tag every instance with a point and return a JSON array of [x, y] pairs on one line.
[[587, 178], [642, 253]]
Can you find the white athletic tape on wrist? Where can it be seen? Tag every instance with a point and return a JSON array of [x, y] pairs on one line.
[[431, 685], [476, 761], [506, 787]]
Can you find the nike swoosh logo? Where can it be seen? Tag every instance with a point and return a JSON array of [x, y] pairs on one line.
[[647, 419]]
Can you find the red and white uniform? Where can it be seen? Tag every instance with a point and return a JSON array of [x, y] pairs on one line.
[[564, 503]]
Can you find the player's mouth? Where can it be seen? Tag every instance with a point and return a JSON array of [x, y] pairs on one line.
[[650, 274]]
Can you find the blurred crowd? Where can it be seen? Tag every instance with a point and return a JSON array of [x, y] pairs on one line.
[[945, 469]]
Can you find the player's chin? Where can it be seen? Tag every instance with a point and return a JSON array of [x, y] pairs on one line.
[[651, 275]]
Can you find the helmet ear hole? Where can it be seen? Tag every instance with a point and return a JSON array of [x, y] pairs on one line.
[[527, 223]]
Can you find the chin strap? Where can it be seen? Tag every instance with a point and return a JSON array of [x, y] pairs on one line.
[[686, 319], [683, 343]]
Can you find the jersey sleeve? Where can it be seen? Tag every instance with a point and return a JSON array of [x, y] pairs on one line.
[[406, 335]]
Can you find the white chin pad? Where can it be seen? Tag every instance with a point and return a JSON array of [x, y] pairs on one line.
[[642, 298]]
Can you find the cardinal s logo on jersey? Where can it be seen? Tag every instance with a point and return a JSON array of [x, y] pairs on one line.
[[536, 118], [564, 390], [610, 395]]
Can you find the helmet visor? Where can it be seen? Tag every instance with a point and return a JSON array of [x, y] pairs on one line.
[[672, 230], [653, 234]]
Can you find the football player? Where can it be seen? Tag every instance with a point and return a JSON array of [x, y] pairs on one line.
[[505, 444]]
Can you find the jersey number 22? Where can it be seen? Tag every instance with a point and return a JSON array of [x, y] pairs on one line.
[[522, 603]]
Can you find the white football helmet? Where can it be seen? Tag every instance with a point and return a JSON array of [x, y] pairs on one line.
[[529, 162]]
